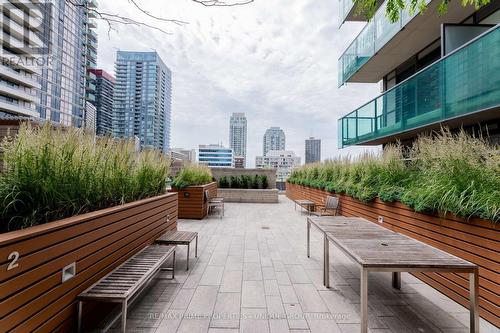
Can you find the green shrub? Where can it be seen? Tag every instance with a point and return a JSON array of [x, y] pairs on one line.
[[192, 175], [443, 173], [244, 181], [49, 174], [224, 182]]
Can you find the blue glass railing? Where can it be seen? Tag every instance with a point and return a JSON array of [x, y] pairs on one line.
[[464, 82], [374, 35], [345, 7]]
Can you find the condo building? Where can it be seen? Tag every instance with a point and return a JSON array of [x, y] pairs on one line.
[[104, 89], [215, 156], [435, 70], [142, 99], [274, 139], [284, 161], [42, 74], [313, 150], [238, 136]]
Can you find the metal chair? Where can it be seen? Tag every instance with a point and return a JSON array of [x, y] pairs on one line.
[[330, 208]]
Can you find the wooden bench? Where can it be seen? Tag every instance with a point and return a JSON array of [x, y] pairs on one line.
[[377, 249], [128, 279], [175, 237]]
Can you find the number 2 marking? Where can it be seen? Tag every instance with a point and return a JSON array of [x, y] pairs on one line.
[[14, 256]]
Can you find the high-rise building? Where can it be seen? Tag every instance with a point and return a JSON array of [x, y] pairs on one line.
[[284, 161], [274, 139], [188, 155], [238, 136], [215, 156], [90, 40], [436, 70], [313, 150], [44, 59], [104, 88], [142, 99]]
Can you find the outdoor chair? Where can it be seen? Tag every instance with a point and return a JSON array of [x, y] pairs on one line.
[[330, 208]]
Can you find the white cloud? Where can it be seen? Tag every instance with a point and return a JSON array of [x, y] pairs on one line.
[[274, 60]]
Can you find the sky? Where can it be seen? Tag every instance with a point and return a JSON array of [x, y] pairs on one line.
[[274, 60]]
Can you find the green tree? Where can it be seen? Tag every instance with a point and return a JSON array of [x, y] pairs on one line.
[[394, 7]]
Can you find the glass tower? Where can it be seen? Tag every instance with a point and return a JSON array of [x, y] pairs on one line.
[[142, 99], [313, 150], [274, 139], [238, 135]]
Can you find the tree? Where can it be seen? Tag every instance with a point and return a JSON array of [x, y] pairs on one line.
[[116, 18], [394, 7]]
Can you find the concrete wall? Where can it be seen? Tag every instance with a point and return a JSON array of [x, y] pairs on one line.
[[248, 195], [217, 173]]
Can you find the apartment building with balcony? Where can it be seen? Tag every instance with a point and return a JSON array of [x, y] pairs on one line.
[[142, 99], [284, 161], [434, 70], [43, 67]]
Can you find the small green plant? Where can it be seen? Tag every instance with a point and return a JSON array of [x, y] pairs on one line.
[[446, 173], [224, 182], [192, 175], [49, 174]]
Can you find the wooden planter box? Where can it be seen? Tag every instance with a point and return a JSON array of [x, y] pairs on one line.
[[475, 240], [248, 195], [32, 293], [192, 204]]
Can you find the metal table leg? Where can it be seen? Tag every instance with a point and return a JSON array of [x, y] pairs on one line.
[[474, 301], [396, 280], [187, 260], [196, 248], [308, 239], [326, 261], [364, 300]]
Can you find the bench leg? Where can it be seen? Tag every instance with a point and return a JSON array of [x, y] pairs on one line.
[[326, 261], [187, 261], [474, 299], [80, 308], [124, 316], [364, 300], [308, 239], [196, 247], [173, 266], [396, 280]]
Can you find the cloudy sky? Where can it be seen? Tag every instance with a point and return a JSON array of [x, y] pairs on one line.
[[274, 60]]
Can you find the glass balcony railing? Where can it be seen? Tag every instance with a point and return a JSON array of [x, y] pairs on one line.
[[345, 7], [464, 82], [374, 35]]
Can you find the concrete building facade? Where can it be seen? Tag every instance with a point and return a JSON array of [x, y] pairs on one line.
[[238, 137], [274, 139], [215, 156], [313, 150], [283, 161]]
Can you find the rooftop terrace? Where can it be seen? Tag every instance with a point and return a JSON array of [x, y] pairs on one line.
[[252, 275]]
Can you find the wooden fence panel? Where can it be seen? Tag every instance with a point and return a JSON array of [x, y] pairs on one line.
[[33, 296]]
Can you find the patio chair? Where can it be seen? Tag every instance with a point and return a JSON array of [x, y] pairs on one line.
[[330, 208]]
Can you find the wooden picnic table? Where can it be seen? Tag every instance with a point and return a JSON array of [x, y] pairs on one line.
[[377, 249]]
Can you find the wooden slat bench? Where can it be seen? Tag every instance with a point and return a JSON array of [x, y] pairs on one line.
[[176, 237], [128, 279], [377, 249]]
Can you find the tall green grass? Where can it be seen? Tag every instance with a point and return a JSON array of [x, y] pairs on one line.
[[49, 174], [443, 173], [191, 175]]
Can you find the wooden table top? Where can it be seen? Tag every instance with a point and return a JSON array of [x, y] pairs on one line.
[[372, 245], [176, 236], [304, 202]]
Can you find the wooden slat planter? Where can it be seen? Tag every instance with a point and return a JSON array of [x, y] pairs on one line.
[[191, 201], [32, 294], [475, 240]]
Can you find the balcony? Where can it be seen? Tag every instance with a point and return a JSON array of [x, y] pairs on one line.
[[382, 46], [458, 88], [348, 12]]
